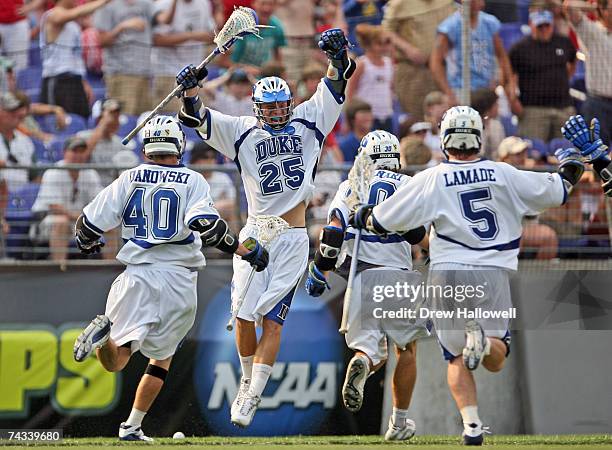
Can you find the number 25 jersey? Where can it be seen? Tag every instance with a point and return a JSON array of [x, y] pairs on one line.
[[277, 169]]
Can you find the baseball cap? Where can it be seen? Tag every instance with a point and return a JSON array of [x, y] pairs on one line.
[[74, 142], [512, 146], [420, 126], [541, 17], [9, 102], [238, 76], [109, 104]]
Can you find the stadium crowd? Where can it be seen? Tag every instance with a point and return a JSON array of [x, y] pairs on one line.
[[76, 76]]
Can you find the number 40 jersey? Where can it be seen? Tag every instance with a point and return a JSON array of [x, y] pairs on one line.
[[154, 205], [475, 209]]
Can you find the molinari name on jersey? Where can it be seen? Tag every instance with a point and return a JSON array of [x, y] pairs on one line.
[[469, 176], [278, 145], [158, 176]]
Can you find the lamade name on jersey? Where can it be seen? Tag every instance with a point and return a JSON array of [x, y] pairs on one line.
[[277, 146], [469, 176], [155, 176]]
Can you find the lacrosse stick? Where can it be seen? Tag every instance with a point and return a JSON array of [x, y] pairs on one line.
[[268, 229], [359, 183], [243, 21]]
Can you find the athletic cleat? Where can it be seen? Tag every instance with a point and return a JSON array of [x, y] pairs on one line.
[[473, 434], [132, 433], [242, 392], [354, 383], [476, 343], [94, 336], [244, 415], [396, 433]]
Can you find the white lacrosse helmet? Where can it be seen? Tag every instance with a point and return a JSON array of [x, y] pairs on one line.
[[461, 129], [383, 149], [163, 135], [273, 90]]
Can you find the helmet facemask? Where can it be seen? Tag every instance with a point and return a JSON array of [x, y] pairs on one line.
[[273, 102]]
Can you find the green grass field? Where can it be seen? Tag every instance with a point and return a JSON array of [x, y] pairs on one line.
[[564, 442]]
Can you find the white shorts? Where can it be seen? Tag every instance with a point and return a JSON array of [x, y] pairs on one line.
[[15, 43], [153, 307], [451, 332], [271, 290], [368, 334]]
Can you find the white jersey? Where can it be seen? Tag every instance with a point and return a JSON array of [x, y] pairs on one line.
[[154, 205], [277, 169], [390, 251], [475, 209]]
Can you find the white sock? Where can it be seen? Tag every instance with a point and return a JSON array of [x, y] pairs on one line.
[[136, 417], [259, 379], [399, 416], [469, 414], [246, 362]]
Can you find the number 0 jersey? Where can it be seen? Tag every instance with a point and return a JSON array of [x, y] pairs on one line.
[[390, 251], [154, 205], [277, 169], [475, 208]]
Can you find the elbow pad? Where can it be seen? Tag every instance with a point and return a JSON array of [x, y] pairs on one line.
[[571, 170], [215, 232], [193, 113], [83, 232], [415, 236], [331, 240]]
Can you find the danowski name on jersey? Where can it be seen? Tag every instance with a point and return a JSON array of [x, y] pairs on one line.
[[155, 176]]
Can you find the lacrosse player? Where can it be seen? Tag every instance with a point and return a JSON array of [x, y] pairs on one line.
[[276, 153], [475, 207], [166, 215], [391, 254]]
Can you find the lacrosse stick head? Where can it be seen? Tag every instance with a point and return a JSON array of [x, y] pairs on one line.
[[242, 21], [359, 180], [268, 228]]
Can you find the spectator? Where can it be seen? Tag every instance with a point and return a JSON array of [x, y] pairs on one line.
[[447, 60], [92, 51], [15, 31], [297, 17], [413, 151], [29, 126], [485, 101], [596, 42], [273, 69], [311, 75], [360, 119], [125, 28], [103, 144], [252, 51], [513, 150], [362, 11], [230, 93], [63, 67], [179, 43], [229, 6], [412, 27], [434, 106], [413, 127], [330, 15], [373, 78], [63, 194], [222, 188], [543, 64], [4, 225], [15, 147]]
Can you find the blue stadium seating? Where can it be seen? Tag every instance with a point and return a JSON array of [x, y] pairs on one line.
[[34, 59], [510, 33], [41, 153], [19, 215], [510, 124], [74, 124], [556, 143]]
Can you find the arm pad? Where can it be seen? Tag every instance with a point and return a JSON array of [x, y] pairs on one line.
[[570, 171], [338, 73], [215, 233], [193, 113], [331, 240], [83, 232], [415, 236]]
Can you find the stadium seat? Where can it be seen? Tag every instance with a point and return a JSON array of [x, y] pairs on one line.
[[510, 124], [74, 124], [34, 59], [55, 150], [511, 33], [19, 216], [41, 153], [538, 145], [126, 124], [29, 79]]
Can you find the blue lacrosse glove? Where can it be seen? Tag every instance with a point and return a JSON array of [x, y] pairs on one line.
[[569, 156], [89, 247], [315, 283], [258, 256], [333, 42], [359, 218], [584, 137], [189, 77]]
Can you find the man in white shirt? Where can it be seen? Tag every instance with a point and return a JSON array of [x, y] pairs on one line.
[[63, 194]]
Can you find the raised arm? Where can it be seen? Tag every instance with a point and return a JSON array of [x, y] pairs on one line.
[[334, 43]]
